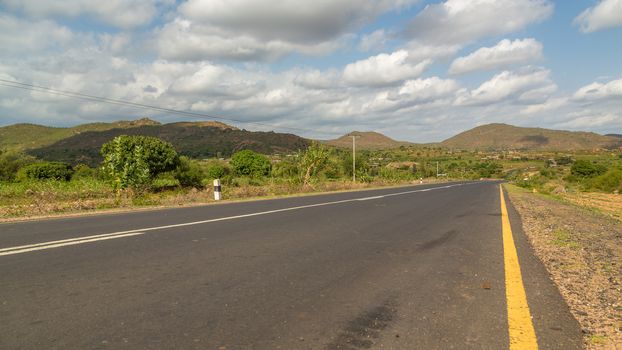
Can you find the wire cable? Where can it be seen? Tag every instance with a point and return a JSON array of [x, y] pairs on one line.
[[119, 102]]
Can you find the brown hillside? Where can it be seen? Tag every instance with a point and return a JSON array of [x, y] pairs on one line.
[[196, 140], [369, 140], [504, 136], [30, 136]]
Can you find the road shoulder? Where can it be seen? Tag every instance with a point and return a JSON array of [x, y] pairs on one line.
[[581, 253]]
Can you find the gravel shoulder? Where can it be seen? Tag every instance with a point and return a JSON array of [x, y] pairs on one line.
[[582, 251]]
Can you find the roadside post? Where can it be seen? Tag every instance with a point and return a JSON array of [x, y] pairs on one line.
[[217, 189]]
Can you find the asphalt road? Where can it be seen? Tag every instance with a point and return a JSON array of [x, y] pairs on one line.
[[404, 268]]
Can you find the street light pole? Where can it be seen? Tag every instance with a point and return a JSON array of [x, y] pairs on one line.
[[353, 158]]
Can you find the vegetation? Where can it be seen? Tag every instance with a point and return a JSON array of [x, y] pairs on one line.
[[134, 161], [133, 167], [249, 163], [194, 140], [46, 171], [504, 137]]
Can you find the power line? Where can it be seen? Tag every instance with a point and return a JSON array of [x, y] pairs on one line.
[[93, 98]]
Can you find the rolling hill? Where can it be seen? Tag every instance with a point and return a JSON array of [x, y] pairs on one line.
[[19, 137], [504, 136], [368, 140], [193, 139]]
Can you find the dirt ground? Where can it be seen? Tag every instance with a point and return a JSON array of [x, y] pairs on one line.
[[582, 250]]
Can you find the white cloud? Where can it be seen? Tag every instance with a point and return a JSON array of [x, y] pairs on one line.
[[184, 40], [214, 81], [463, 21], [318, 80], [413, 93], [374, 41], [120, 13], [502, 55], [592, 121], [259, 30], [383, 69], [418, 51], [606, 14], [546, 106], [26, 36], [599, 91], [426, 90], [509, 85]]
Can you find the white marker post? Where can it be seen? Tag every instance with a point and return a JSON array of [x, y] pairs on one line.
[[217, 189]]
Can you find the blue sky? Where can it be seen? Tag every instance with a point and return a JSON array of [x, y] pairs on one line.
[[415, 70]]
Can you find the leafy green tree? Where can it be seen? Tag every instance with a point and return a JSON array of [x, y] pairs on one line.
[[312, 160], [249, 163], [10, 163], [133, 161], [584, 168], [488, 169], [46, 171]]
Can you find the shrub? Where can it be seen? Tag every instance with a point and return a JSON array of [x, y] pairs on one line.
[[189, 173], [548, 173], [609, 181], [488, 169], [46, 171], [10, 163], [215, 170], [584, 168], [249, 163], [83, 171], [133, 161], [165, 181], [563, 160]]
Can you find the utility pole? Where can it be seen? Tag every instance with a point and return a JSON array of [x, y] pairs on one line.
[[354, 157], [436, 169]]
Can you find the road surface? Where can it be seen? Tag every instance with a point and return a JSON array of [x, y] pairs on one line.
[[418, 267]]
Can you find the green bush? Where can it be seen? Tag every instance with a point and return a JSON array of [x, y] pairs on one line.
[[488, 169], [46, 171], [215, 170], [189, 173], [249, 163], [584, 168], [563, 160], [548, 173], [133, 161], [10, 163], [165, 181], [83, 171], [609, 181]]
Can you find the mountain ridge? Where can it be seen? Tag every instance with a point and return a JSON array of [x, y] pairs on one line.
[[498, 136], [366, 140]]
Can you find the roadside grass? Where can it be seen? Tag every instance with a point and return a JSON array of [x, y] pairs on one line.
[[598, 339], [563, 238], [20, 200], [608, 205], [580, 247]]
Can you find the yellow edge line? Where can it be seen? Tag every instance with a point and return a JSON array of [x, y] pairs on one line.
[[520, 325]]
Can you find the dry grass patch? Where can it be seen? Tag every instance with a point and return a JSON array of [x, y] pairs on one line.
[[582, 251]]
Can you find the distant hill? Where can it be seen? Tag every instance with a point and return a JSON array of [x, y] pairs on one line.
[[614, 135], [504, 136], [28, 136], [193, 139], [368, 140]]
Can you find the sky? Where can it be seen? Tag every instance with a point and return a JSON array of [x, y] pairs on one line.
[[417, 71]]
